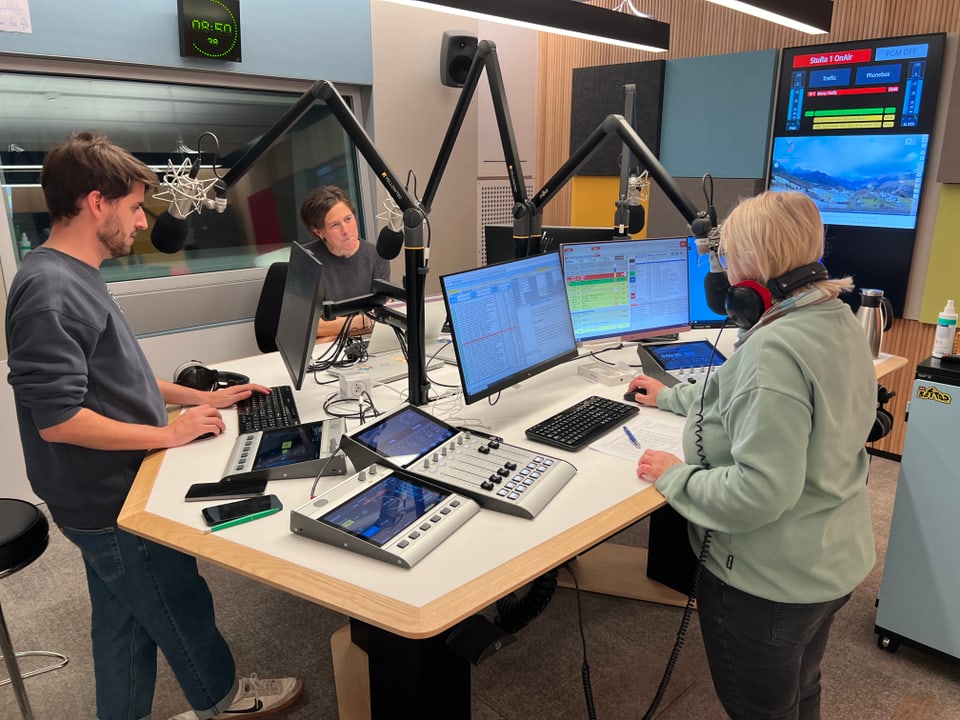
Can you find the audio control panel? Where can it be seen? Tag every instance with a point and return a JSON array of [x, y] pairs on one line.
[[499, 476], [384, 513], [673, 363], [298, 451]]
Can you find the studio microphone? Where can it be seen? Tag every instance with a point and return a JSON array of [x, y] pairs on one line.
[[631, 215], [390, 239], [635, 211], [187, 194]]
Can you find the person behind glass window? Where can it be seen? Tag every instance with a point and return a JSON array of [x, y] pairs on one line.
[[350, 264]]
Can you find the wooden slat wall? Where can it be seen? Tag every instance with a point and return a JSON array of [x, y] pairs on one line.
[[700, 28]]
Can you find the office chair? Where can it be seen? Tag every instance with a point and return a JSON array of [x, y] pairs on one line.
[[24, 533], [268, 307]]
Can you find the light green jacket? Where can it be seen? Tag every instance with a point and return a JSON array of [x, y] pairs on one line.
[[784, 424]]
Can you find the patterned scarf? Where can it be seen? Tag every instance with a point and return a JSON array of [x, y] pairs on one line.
[[794, 302]]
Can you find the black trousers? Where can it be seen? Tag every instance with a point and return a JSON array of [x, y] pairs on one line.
[[764, 656]]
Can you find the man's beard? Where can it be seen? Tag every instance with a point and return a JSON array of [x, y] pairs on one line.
[[112, 238]]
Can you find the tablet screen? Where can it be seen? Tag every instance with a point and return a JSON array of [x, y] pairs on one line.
[[286, 446], [382, 511], [405, 436], [686, 355]]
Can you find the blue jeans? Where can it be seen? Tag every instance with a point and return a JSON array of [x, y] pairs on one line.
[[144, 596], [764, 656]]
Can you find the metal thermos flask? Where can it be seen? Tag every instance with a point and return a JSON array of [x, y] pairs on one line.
[[875, 316]]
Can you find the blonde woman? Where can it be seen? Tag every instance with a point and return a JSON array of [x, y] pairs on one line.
[[774, 469]]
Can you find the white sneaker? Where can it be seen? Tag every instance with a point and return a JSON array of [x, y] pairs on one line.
[[257, 698]]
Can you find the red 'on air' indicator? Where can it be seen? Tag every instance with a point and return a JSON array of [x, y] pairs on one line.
[[835, 57]]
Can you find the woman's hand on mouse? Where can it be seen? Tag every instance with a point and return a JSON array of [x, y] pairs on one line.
[[645, 390]]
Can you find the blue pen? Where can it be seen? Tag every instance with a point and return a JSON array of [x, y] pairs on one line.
[[632, 438]]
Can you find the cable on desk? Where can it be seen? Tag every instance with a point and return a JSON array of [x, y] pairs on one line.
[[341, 351]]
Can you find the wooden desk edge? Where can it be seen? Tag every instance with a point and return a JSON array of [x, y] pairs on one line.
[[889, 365], [370, 607]]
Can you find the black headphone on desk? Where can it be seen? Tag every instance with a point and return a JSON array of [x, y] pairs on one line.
[[194, 374]]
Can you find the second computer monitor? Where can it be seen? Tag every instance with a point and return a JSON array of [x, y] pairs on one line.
[[509, 322], [300, 312], [627, 288]]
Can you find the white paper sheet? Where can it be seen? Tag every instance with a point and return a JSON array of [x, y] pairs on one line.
[[655, 430]]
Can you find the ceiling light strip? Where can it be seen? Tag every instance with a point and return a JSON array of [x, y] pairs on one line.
[[562, 17], [810, 16]]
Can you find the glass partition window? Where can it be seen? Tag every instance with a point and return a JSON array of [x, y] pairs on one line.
[[164, 124]]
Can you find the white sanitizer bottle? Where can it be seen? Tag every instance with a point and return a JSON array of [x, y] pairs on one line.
[[946, 331]]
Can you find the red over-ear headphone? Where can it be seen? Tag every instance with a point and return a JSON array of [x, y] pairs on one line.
[[194, 374], [747, 301]]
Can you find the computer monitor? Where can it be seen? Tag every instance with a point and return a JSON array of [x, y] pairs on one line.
[[501, 246], [300, 312], [627, 288], [509, 322], [701, 316]]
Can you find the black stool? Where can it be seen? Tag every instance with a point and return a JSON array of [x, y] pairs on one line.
[[24, 533]]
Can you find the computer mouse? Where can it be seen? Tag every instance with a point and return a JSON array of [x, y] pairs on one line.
[[205, 436], [629, 396]]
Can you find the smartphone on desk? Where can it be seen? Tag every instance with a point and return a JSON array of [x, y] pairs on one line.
[[234, 513], [225, 490]]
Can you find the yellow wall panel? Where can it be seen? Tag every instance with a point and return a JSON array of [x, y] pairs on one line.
[[943, 271], [593, 202]]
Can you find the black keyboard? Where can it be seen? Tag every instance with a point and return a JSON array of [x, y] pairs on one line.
[[268, 412], [580, 424]]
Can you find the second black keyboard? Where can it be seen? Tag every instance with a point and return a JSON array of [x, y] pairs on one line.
[[580, 424], [268, 412]]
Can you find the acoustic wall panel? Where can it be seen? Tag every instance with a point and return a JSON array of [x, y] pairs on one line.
[[949, 169], [664, 220], [716, 114], [598, 92]]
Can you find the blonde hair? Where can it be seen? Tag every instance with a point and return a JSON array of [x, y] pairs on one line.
[[771, 234]]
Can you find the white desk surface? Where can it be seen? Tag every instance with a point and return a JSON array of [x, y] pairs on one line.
[[493, 554], [490, 556]]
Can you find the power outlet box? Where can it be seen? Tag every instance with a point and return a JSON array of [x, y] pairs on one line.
[[353, 387], [604, 374]]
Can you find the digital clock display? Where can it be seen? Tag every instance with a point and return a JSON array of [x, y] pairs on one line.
[[210, 29]]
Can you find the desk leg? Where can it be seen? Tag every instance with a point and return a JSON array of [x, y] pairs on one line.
[[619, 570], [351, 673], [418, 676]]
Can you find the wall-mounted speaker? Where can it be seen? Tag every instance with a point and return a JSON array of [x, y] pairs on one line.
[[456, 54]]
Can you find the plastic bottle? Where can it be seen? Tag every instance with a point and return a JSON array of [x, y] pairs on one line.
[[946, 331], [24, 245]]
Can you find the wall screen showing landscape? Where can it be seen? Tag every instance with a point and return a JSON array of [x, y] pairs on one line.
[[852, 127]]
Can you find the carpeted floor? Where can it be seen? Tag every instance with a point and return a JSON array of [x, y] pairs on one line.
[[539, 676]]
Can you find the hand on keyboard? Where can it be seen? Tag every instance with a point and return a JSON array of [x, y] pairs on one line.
[[225, 397]]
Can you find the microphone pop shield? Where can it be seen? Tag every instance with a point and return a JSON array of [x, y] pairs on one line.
[[389, 243], [169, 233], [637, 216], [715, 286]]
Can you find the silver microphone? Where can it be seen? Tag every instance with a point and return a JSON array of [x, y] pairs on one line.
[[186, 192]]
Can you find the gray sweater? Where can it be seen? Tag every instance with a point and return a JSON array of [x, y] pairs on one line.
[[349, 277], [71, 348]]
